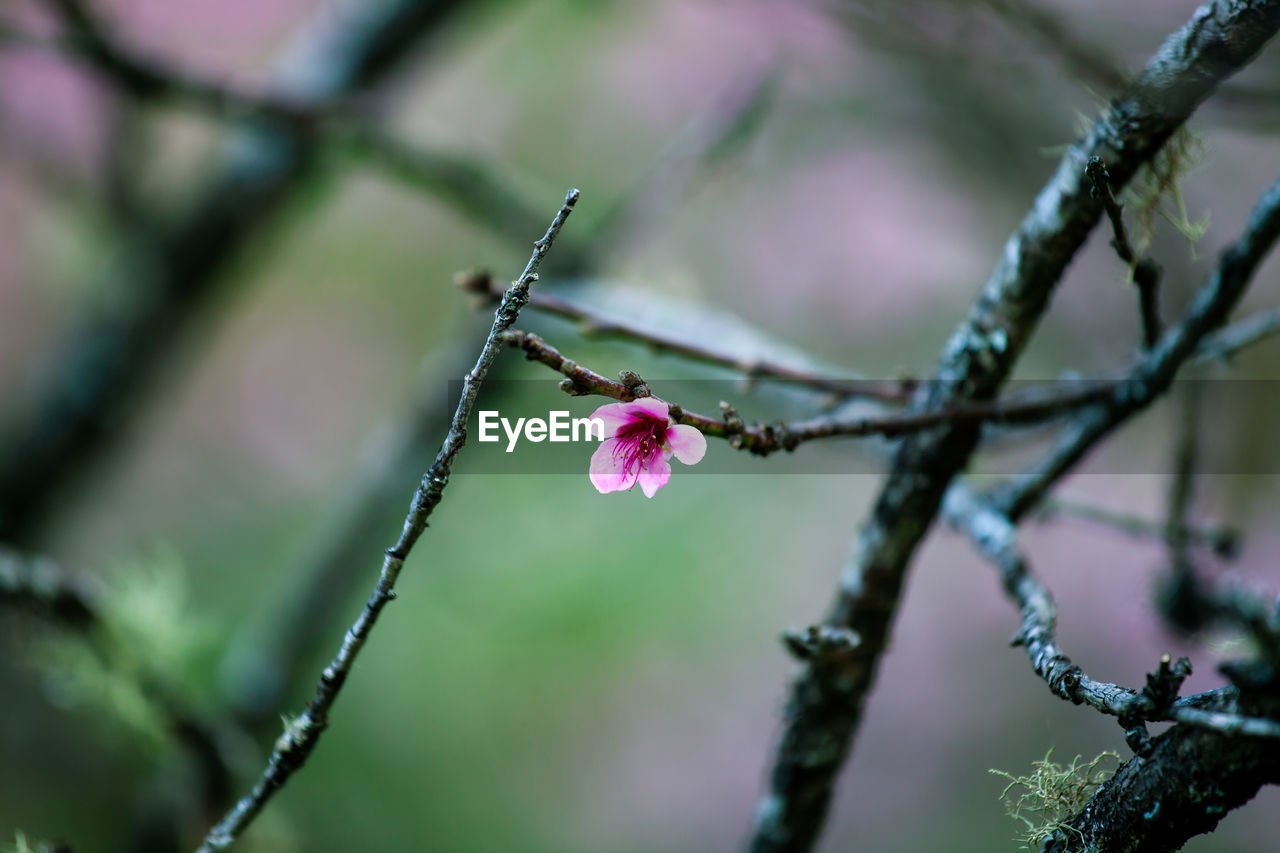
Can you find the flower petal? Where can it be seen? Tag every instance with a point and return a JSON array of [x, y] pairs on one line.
[[649, 407], [655, 476], [615, 416], [687, 443], [607, 473]]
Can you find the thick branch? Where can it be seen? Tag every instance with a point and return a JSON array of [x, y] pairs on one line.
[[300, 738], [1188, 782], [826, 700]]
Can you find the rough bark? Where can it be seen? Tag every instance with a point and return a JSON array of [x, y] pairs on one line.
[[826, 700]]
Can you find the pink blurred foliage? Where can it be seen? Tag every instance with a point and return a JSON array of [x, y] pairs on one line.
[[220, 36], [684, 53], [51, 108], [853, 248]]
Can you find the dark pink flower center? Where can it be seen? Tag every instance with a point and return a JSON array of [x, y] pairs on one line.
[[639, 442]]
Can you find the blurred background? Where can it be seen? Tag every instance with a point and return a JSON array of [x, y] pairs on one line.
[[226, 338]]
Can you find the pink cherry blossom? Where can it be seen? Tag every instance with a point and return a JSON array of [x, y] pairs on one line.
[[640, 438]]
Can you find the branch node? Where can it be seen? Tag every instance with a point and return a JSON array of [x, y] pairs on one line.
[[637, 386], [820, 642]]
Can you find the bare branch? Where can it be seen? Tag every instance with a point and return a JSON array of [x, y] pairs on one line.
[[827, 700], [1220, 539], [1144, 271], [1152, 375], [262, 664], [1184, 786], [995, 537], [595, 324], [300, 738], [763, 439]]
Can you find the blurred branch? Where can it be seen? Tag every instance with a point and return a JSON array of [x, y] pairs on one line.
[[40, 586], [301, 736], [465, 183], [1152, 375], [272, 654], [166, 275], [828, 697], [1223, 540], [1244, 333], [710, 138], [1049, 32], [1091, 63], [1083, 60]]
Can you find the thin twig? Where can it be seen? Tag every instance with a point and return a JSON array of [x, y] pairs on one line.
[[300, 738], [995, 537], [1144, 271], [595, 324], [1222, 540], [89, 39], [1176, 589], [763, 439], [262, 664]]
